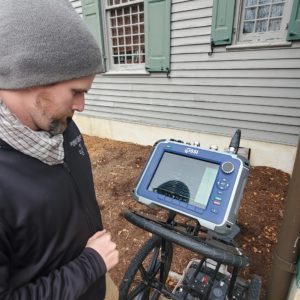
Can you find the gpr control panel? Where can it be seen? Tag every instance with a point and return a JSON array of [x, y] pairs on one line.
[[203, 184]]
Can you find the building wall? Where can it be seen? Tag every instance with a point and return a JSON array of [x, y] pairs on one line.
[[256, 90]]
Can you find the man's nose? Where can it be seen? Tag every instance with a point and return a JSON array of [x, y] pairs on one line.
[[78, 104]]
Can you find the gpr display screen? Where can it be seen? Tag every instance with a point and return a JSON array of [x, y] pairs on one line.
[[184, 178]]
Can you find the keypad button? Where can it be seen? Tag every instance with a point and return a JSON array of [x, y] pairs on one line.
[[223, 184], [214, 210]]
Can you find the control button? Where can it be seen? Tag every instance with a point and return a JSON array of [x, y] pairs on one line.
[[227, 167], [214, 210], [223, 184], [217, 202], [218, 198]]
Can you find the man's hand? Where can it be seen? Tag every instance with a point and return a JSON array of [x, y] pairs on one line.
[[102, 243]]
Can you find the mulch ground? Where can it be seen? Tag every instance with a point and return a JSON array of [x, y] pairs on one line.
[[116, 167]]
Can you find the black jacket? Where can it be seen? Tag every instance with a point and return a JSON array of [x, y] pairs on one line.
[[47, 214]]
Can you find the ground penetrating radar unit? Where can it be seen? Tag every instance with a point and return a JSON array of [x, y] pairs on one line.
[[203, 184], [206, 186]]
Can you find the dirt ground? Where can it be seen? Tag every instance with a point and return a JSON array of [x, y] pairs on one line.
[[116, 166]]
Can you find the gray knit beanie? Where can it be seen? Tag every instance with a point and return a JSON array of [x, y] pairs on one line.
[[44, 42]]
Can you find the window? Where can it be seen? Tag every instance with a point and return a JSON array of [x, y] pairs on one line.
[[125, 28], [255, 21], [263, 20], [133, 35]]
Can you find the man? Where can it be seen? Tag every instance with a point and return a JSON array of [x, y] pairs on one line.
[[52, 244]]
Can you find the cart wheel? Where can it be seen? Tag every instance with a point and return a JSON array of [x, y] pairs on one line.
[[148, 268]]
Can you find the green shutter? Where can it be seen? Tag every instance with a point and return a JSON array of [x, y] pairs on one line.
[[294, 24], [222, 22], [91, 11], [157, 35]]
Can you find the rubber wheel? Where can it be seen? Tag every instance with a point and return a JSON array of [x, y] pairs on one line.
[[145, 269]]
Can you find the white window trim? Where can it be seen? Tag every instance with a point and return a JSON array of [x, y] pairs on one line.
[[259, 40], [142, 72], [118, 69]]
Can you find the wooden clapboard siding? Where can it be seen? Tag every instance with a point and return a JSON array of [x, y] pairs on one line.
[[77, 5], [256, 90]]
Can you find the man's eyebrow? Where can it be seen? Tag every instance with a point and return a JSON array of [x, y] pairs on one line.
[[80, 90]]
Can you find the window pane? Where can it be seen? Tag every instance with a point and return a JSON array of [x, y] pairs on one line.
[[135, 19], [264, 1], [277, 10], [141, 18], [250, 2], [135, 29], [274, 24], [135, 40], [127, 30], [115, 41], [261, 26], [135, 9], [248, 27], [128, 40], [127, 20], [250, 13], [119, 21], [263, 12]]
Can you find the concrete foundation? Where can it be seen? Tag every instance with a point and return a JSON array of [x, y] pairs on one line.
[[262, 154]]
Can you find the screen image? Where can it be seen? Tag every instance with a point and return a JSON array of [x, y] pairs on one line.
[[184, 178]]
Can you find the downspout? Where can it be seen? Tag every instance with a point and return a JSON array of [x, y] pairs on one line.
[[287, 250]]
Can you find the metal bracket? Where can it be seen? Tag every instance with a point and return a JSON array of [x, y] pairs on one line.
[[212, 47]]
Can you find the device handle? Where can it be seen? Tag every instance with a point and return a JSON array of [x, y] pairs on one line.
[[209, 251]]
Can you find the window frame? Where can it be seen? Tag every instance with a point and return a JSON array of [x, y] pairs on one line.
[[259, 38], [157, 35], [111, 67]]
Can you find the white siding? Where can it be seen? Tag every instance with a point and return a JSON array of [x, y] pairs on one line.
[[255, 90]]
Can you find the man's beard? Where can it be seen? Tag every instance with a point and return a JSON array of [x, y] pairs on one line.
[[58, 127]]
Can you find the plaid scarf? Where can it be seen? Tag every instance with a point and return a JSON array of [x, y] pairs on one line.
[[37, 144]]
